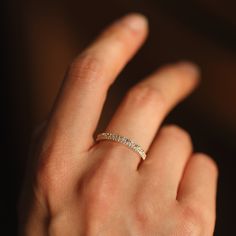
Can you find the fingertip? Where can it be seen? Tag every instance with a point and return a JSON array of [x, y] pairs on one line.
[[191, 68], [135, 21], [207, 161]]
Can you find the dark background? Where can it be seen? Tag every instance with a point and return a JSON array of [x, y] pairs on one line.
[[42, 37]]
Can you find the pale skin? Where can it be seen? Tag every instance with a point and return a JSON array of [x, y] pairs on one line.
[[77, 186]]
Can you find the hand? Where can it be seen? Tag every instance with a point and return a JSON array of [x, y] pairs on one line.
[[82, 187]]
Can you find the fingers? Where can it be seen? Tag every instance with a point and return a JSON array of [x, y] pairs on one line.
[[146, 104], [166, 160], [197, 190], [78, 107]]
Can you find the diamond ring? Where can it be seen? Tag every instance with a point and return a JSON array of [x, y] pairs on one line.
[[124, 140]]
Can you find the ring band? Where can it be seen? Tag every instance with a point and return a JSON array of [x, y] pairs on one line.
[[124, 140]]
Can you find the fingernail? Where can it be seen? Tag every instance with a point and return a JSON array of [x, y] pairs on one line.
[[135, 21], [189, 67]]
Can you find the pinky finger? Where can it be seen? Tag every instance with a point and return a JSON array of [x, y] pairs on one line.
[[197, 190]]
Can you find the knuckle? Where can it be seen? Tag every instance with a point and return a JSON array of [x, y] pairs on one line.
[[177, 133], [46, 171], [87, 68], [142, 220], [190, 223], [146, 95], [51, 171], [102, 185], [143, 215], [197, 220]]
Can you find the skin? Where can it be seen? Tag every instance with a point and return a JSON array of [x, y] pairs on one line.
[[76, 186]]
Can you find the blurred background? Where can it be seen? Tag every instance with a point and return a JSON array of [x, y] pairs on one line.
[[43, 36]]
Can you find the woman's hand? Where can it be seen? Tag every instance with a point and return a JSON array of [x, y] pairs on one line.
[[82, 187]]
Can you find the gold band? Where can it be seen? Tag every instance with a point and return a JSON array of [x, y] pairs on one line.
[[124, 140]]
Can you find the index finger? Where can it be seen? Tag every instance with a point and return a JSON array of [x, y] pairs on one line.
[[80, 101]]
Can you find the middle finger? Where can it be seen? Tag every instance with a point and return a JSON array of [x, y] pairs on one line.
[[146, 104]]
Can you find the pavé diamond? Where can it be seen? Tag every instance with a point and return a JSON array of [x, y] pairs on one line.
[[121, 139]]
